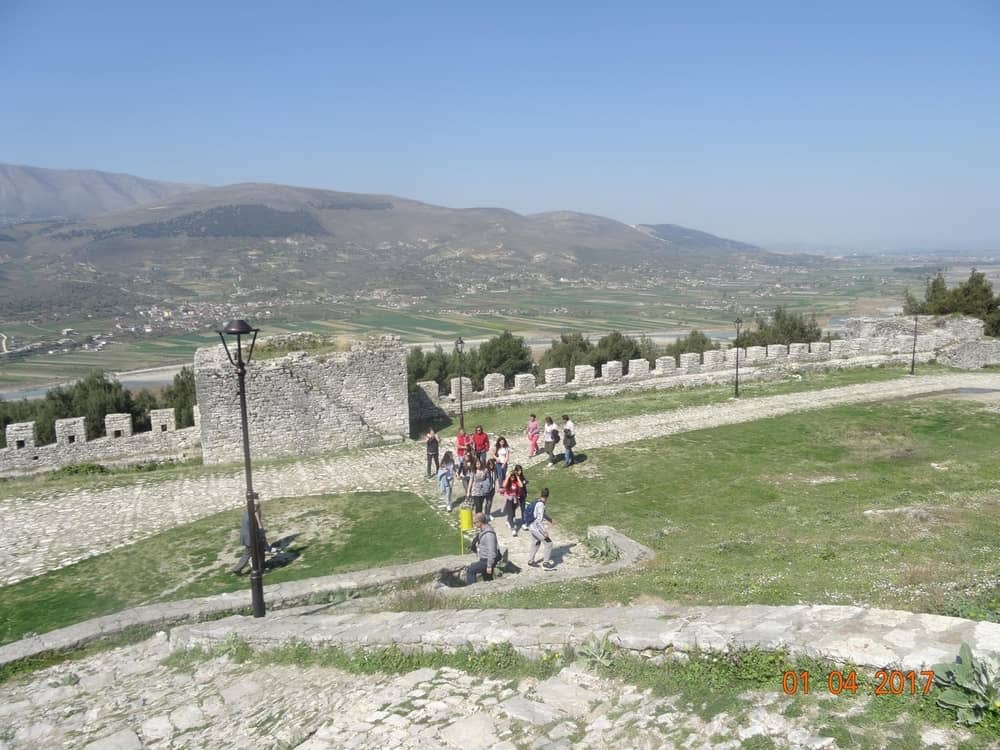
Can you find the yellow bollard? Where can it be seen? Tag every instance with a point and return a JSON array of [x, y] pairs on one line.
[[464, 519], [464, 524]]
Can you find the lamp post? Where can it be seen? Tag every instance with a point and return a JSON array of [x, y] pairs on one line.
[[739, 322], [913, 357], [239, 329], [460, 347]]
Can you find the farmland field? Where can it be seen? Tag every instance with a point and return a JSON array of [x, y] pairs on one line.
[[669, 307]]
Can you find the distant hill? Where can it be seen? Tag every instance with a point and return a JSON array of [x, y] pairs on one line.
[[375, 225], [176, 243], [33, 193], [692, 239]]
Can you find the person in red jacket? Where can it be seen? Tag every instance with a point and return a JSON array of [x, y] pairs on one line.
[[463, 445], [481, 444]]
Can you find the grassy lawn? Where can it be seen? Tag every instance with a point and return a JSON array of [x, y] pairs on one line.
[[772, 512], [511, 420], [332, 534]]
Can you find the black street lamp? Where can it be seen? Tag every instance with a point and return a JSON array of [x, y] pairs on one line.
[[739, 322], [460, 347], [239, 329], [913, 357]]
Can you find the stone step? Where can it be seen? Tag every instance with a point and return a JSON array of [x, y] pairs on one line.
[[870, 638]]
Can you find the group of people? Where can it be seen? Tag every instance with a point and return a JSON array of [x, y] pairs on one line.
[[552, 435], [482, 468], [487, 547]]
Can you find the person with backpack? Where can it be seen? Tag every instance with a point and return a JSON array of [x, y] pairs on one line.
[[488, 549], [535, 517], [446, 479], [551, 435]]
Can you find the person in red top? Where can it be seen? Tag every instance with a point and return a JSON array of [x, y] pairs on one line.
[[481, 443], [463, 444]]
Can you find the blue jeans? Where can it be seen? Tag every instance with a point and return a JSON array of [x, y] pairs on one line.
[[444, 485], [568, 455], [477, 568]]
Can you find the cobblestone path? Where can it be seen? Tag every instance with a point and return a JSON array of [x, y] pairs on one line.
[[56, 528], [127, 698]]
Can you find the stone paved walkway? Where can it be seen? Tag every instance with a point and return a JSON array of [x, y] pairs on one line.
[[873, 638], [129, 698], [57, 528]]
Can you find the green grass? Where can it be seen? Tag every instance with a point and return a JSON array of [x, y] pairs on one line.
[[511, 420], [772, 512], [501, 660], [335, 533]]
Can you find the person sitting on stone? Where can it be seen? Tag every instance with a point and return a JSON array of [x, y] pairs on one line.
[[488, 549]]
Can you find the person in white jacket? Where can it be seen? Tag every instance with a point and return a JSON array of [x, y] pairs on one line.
[[539, 532]]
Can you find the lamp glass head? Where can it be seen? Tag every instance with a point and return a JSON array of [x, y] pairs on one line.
[[237, 328]]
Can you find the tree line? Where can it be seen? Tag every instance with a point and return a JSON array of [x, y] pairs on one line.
[[93, 398], [971, 297], [508, 354]]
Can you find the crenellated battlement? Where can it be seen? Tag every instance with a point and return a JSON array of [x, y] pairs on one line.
[[121, 445], [303, 403], [869, 341]]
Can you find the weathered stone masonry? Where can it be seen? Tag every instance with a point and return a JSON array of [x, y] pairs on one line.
[[958, 342], [122, 446], [305, 403], [302, 404]]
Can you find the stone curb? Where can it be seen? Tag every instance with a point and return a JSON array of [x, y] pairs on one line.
[[872, 638], [630, 553], [292, 593]]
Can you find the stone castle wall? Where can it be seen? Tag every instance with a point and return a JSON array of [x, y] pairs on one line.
[[868, 341], [302, 404], [121, 447]]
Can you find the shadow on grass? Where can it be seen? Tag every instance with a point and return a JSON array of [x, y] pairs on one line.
[[285, 557]]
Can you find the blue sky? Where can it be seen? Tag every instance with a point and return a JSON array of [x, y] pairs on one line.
[[866, 125]]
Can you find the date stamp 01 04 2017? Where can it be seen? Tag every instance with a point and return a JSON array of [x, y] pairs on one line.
[[887, 682]]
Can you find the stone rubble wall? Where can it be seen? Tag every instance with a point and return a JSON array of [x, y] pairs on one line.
[[958, 342], [302, 404], [163, 443]]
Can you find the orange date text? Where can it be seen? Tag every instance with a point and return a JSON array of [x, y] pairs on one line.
[[886, 682]]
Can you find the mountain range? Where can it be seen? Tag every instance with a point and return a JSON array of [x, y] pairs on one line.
[[137, 236], [37, 194]]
